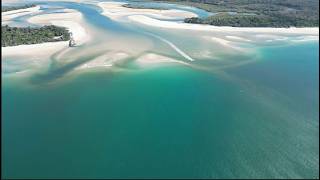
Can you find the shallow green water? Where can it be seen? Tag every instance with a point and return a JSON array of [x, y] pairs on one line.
[[168, 122]]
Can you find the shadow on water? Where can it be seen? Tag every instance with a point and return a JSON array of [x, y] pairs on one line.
[[91, 14], [56, 73]]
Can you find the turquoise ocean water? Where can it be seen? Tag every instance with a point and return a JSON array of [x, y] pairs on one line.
[[170, 121]]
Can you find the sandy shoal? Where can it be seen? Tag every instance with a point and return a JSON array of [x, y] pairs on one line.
[[116, 10], [105, 60], [9, 15], [153, 58]]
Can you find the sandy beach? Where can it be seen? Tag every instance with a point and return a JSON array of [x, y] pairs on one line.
[[225, 36], [70, 19], [228, 39], [34, 50], [6, 17], [115, 10], [200, 27]]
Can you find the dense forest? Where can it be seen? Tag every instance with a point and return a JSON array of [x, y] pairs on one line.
[[257, 13], [13, 36], [253, 21], [11, 8], [139, 6]]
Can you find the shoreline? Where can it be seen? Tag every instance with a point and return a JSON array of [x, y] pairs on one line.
[[226, 38], [202, 27], [42, 49], [115, 10], [6, 17], [70, 19]]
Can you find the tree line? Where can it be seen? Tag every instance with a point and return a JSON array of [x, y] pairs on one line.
[[11, 8], [253, 21], [264, 13], [13, 36]]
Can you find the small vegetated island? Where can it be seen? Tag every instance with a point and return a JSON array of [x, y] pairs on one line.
[[13, 36], [256, 13]]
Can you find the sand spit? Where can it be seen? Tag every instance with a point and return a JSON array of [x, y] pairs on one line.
[[105, 60], [70, 19]]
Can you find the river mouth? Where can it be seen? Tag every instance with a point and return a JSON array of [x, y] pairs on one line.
[[113, 37]]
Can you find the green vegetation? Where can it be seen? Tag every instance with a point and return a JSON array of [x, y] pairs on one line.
[[252, 21], [11, 8], [263, 13], [13, 36], [139, 6]]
